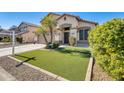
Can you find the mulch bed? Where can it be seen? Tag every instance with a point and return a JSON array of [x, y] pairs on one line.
[[23, 72], [99, 74]]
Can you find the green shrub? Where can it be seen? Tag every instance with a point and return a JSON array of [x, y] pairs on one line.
[[107, 43], [72, 40], [6, 39], [49, 45], [55, 45], [52, 45], [19, 39]]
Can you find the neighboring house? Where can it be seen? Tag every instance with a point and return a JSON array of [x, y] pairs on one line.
[[27, 32], [24, 30], [4, 34], [70, 25]]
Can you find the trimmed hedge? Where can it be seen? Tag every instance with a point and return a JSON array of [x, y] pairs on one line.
[[6, 39], [107, 43], [54, 45], [19, 39]]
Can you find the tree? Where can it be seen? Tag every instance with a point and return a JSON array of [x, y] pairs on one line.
[[49, 22], [107, 44], [42, 30]]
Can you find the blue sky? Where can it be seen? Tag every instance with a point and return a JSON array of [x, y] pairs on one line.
[[7, 19]]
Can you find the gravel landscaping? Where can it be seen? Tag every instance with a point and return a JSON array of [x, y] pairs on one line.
[[99, 74], [23, 72]]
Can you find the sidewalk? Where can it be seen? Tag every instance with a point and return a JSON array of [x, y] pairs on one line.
[[19, 49], [5, 76]]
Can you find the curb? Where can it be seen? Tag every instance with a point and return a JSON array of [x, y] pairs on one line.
[[89, 70], [42, 70]]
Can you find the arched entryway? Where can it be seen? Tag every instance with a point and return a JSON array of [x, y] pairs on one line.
[[66, 27]]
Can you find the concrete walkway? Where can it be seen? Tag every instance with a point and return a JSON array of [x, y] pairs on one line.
[[19, 49], [5, 76]]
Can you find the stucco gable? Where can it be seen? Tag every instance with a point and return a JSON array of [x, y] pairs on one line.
[[77, 18], [64, 15], [58, 17]]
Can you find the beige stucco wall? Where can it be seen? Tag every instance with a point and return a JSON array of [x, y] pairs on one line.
[[74, 24], [73, 32], [30, 35], [42, 40], [69, 20], [54, 16], [86, 24]]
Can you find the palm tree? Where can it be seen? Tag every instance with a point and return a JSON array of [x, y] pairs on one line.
[[42, 30], [49, 22], [38, 33]]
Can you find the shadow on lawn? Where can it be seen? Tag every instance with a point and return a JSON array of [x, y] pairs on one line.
[[82, 53], [27, 59]]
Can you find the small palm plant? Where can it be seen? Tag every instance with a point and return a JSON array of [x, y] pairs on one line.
[[42, 30]]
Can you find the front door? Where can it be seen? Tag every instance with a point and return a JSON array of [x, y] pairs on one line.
[[66, 37]]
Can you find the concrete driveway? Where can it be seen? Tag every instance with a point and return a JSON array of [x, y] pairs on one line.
[[19, 49]]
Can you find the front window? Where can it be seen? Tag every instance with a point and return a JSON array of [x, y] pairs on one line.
[[83, 34]]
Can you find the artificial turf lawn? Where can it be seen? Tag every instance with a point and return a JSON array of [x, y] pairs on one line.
[[70, 63]]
